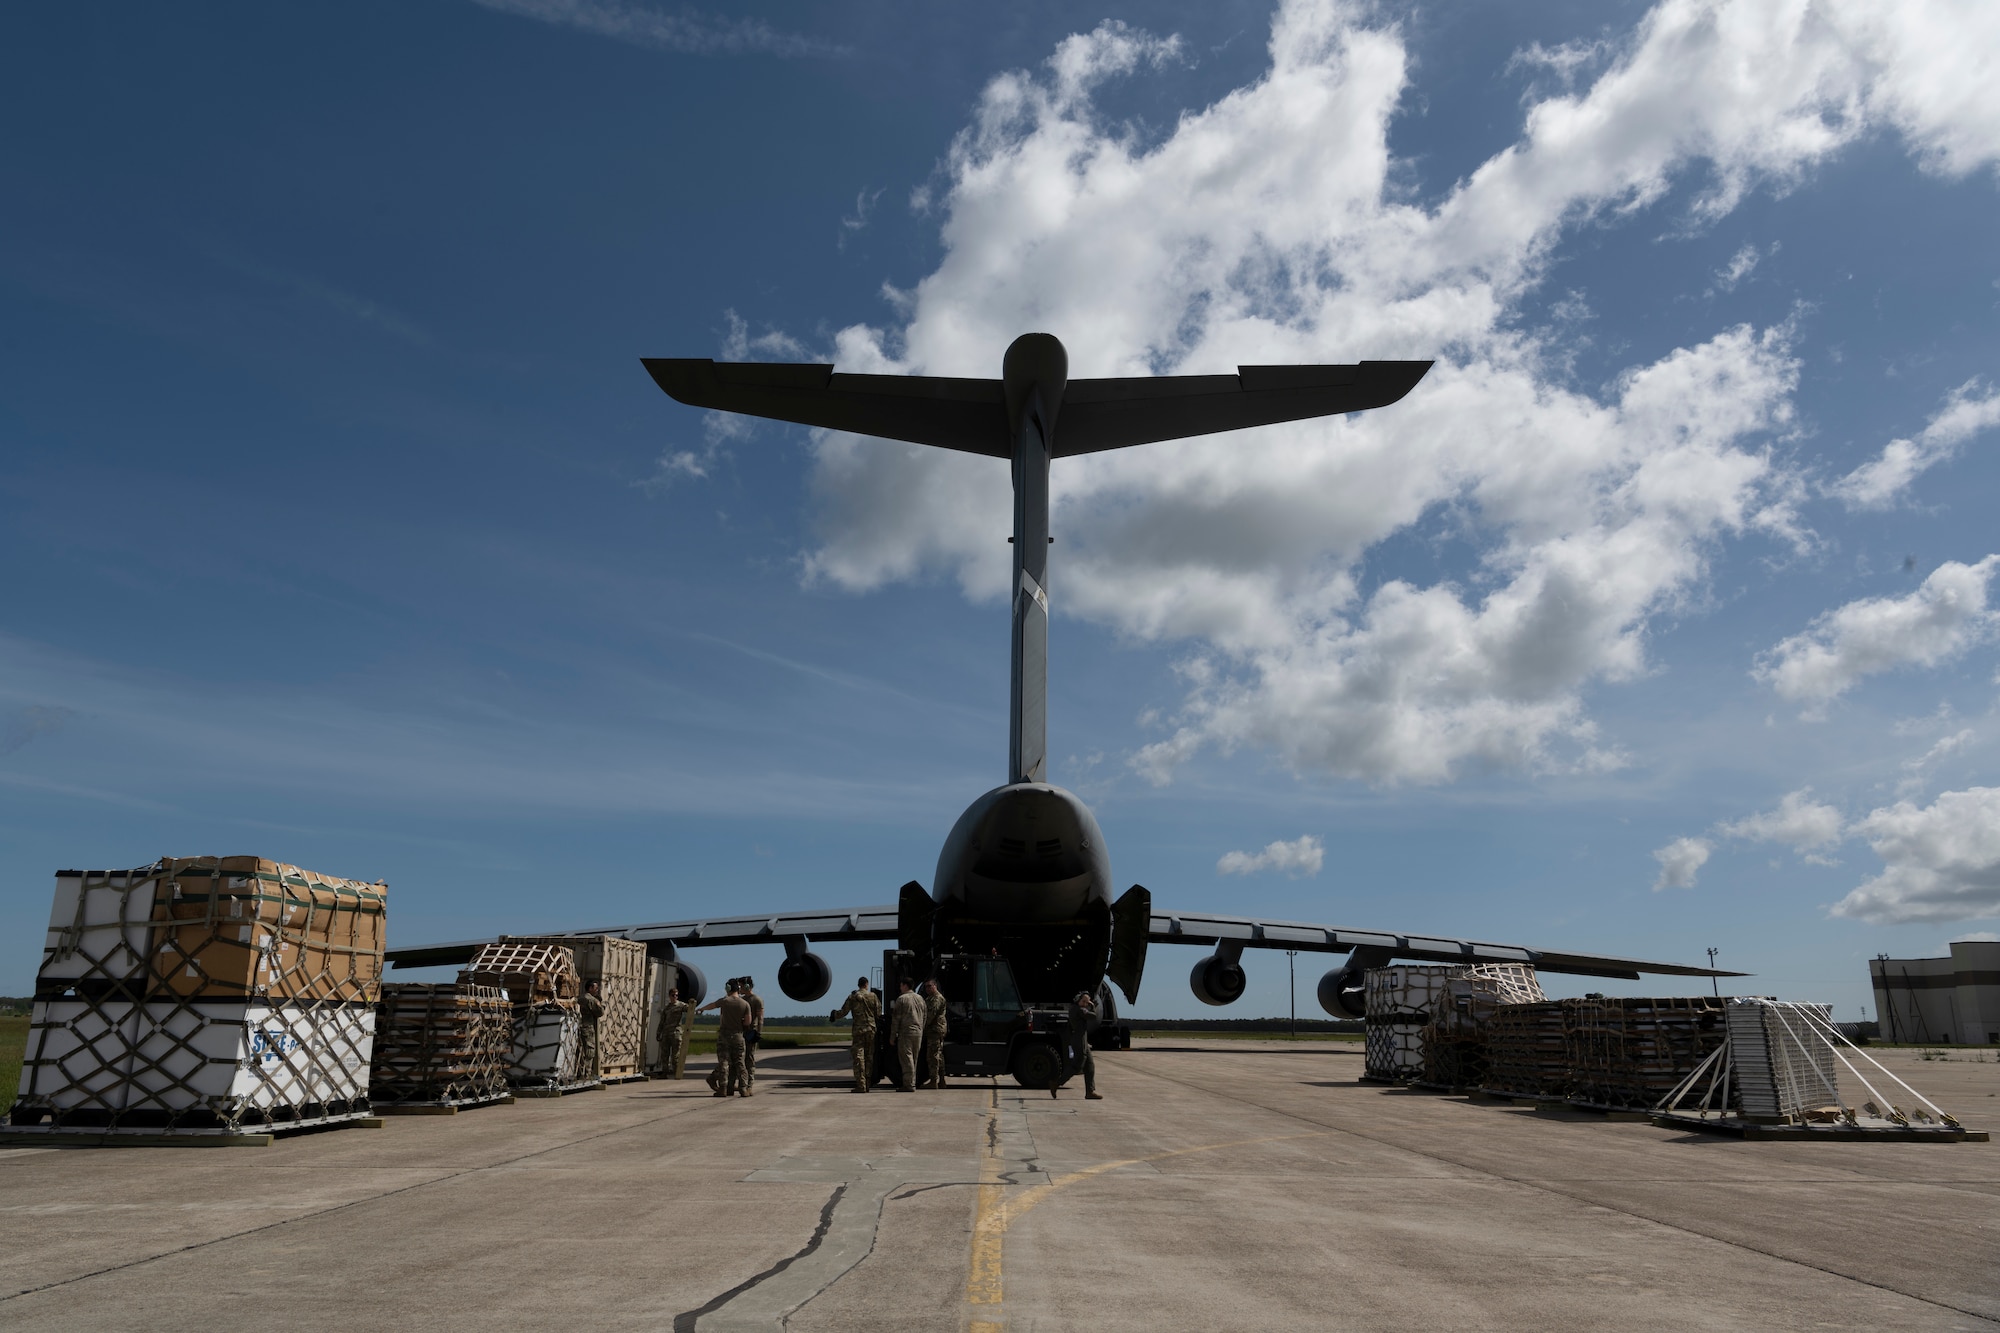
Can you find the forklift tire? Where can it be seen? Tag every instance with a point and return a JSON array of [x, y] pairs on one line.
[[1038, 1065]]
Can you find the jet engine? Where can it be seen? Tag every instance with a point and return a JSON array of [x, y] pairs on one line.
[[1341, 990], [1218, 978], [692, 985], [804, 976]]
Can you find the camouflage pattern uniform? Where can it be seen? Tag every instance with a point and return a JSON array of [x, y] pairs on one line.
[[673, 1037], [734, 1013], [592, 1009], [864, 1006], [934, 1031], [755, 1025]]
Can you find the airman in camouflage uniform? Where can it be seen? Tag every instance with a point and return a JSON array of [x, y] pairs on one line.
[[753, 1035], [934, 1030], [864, 1007], [591, 1006], [673, 1033]]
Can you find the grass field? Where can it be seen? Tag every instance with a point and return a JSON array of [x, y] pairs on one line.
[[1144, 1034], [13, 1039], [775, 1039]]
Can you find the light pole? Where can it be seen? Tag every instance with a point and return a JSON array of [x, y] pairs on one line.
[[1292, 984], [1713, 983]]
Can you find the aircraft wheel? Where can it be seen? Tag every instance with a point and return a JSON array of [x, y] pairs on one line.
[[1038, 1065]]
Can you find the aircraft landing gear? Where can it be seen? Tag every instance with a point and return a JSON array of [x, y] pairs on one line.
[[1039, 1065]]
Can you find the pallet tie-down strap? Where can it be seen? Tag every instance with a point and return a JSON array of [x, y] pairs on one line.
[[1835, 1039]]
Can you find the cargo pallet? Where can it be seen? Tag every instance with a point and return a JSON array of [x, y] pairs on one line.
[[1885, 1132], [68, 1136], [559, 1089], [443, 1108]]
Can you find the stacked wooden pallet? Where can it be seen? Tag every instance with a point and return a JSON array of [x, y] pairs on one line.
[[1626, 1053], [1526, 1053], [442, 1045]]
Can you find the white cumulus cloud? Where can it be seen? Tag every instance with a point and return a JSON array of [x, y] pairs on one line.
[[1301, 856], [1270, 226], [1941, 862], [1879, 483], [1944, 616], [1680, 861], [1799, 822]]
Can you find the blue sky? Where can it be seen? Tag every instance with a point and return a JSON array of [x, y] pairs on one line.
[[340, 524]]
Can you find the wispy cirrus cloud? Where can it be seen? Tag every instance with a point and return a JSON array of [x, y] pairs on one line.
[[686, 31]]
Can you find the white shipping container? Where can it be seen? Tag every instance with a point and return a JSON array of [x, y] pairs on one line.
[[201, 1064], [1399, 1002], [547, 1039], [100, 925]]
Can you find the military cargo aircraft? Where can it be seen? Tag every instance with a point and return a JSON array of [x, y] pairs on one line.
[[1025, 874]]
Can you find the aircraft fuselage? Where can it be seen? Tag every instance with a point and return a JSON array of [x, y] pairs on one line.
[[1025, 874]]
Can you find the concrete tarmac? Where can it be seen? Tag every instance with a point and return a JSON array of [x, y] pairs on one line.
[[1220, 1185]]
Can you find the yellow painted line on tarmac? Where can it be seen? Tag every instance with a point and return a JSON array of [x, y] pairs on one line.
[[982, 1279], [995, 1212]]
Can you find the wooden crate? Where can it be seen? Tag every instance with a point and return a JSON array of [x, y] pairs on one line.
[[618, 966]]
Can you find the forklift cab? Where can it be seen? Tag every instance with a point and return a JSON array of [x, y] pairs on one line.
[[989, 1030]]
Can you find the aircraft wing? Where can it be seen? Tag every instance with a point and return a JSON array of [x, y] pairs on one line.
[[970, 415], [853, 923], [1199, 928], [1209, 930]]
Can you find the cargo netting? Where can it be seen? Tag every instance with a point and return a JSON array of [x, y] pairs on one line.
[[541, 983], [1785, 1062], [1626, 1053], [1454, 1041], [441, 1044], [1527, 1054], [222, 994], [618, 966]]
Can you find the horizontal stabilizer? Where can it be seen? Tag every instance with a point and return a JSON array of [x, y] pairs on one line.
[[970, 415]]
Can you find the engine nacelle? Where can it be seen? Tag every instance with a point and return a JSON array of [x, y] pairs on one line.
[[1342, 992], [804, 977], [1217, 980], [692, 985]]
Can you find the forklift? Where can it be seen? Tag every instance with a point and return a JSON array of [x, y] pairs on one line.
[[990, 1030]]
